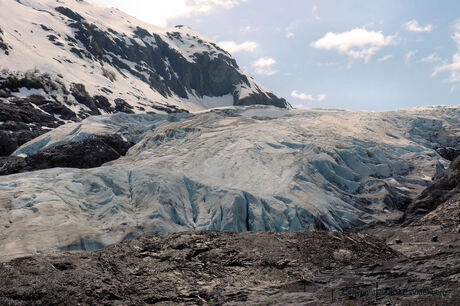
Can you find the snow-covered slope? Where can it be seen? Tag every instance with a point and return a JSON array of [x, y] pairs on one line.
[[252, 168], [93, 56]]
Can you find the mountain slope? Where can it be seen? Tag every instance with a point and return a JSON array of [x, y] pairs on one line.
[[69, 59], [239, 169]]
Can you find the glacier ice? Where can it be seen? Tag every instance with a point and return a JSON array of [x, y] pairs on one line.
[[239, 169]]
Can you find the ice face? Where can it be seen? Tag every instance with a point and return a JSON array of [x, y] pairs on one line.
[[238, 169]]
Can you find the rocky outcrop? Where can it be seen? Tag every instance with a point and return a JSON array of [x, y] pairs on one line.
[[21, 121], [122, 106], [445, 186], [88, 153], [262, 99], [446, 215], [11, 83], [52, 107], [82, 97], [448, 153], [4, 46]]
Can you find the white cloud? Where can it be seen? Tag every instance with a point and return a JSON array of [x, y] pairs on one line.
[[456, 24], [264, 62], [264, 66], [159, 12], [327, 64], [359, 43], [433, 57], [314, 12], [414, 26], [246, 29], [456, 39], [302, 96], [454, 66], [321, 97], [385, 58], [234, 47], [307, 97], [290, 35], [409, 55]]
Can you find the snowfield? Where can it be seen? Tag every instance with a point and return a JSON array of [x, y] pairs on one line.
[[119, 57], [240, 169]]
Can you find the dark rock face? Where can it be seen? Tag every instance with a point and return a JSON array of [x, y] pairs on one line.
[[444, 187], [23, 119], [10, 141], [53, 107], [11, 164], [208, 76], [262, 99], [69, 13], [448, 153], [446, 215], [103, 103], [122, 106], [82, 96], [21, 122], [4, 46], [30, 80], [88, 153], [98, 42]]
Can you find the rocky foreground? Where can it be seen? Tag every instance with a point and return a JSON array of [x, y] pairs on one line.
[[257, 268]]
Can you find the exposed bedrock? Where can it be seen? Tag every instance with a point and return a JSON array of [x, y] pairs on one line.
[[89, 153], [444, 187], [21, 121], [449, 153]]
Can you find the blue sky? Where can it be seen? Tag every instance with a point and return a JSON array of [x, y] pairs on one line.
[[353, 54]]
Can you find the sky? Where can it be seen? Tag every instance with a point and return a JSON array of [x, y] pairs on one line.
[[352, 54]]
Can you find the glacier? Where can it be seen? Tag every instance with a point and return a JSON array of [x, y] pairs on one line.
[[233, 168]]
